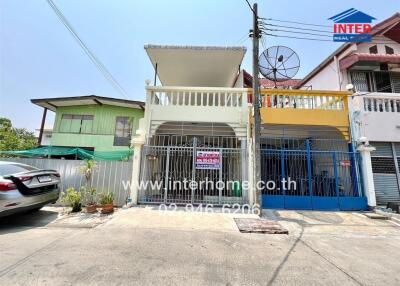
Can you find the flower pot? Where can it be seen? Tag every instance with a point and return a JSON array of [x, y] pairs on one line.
[[106, 209], [76, 208], [91, 209]]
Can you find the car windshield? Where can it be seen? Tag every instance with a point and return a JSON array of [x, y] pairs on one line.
[[8, 169]]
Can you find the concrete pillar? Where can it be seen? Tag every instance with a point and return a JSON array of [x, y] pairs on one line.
[[137, 144], [250, 173], [367, 175]]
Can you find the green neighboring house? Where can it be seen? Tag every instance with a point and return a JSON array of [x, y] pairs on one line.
[[92, 122]]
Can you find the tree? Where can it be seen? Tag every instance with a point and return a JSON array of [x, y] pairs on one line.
[[12, 139]]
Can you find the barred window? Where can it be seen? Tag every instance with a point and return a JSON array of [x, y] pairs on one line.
[[123, 131]]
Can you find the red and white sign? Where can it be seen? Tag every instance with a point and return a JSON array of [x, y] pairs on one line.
[[345, 163], [209, 160]]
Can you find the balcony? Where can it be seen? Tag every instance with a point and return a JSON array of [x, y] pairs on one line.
[[303, 107], [379, 116], [197, 104]]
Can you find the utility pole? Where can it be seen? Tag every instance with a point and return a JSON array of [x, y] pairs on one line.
[[256, 108]]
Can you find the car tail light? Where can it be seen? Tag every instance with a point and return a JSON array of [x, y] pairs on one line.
[[7, 186], [24, 178]]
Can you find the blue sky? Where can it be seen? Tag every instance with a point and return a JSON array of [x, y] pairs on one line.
[[39, 58]]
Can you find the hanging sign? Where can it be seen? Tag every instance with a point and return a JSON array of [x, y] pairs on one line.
[[208, 160], [345, 163]]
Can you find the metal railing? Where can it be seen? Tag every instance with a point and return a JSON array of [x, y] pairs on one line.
[[170, 172], [304, 99], [197, 96]]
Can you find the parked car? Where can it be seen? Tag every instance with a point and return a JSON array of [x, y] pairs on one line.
[[24, 188]]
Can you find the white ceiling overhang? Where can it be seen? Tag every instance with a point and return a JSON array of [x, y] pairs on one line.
[[196, 65]]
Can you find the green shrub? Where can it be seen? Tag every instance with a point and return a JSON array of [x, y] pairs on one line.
[[89, 196], [73, 199], [106, 198]]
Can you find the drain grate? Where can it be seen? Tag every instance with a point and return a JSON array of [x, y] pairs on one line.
[[252, 225]]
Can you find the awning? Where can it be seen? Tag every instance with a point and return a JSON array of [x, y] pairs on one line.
[[53, 103], [50, 151], [196, 65], [350, 60]]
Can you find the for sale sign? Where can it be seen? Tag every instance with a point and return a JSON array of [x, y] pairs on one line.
[[209, 160]]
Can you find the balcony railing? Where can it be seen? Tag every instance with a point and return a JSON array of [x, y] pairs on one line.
[[304, 99], [197, 96], [381, 104]]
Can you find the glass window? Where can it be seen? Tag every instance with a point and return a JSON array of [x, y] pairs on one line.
[[389, 50], [123, 130], [373, 50], [71, 123]]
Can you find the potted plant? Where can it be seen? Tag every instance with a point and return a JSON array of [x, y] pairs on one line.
[[89, 193], [89, 196], [107, 203], [73, 199]]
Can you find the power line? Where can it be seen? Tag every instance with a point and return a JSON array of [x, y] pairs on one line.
[[296, 28], [317, 39], [251, 8], [99, 65], [295, 32], [294, 22], [292, 37]]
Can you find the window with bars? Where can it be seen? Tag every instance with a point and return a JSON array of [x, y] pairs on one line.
[[380, 81], [123, 131], [73, 123]]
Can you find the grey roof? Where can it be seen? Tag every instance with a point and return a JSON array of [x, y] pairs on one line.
[[51, 103]]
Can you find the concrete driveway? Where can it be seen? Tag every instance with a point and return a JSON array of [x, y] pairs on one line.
[[146, 246]]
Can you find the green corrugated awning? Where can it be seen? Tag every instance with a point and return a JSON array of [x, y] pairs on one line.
[[50, 151]]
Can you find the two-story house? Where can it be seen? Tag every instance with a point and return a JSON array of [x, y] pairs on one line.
[[198, 128], [92, 122], [373, 70]]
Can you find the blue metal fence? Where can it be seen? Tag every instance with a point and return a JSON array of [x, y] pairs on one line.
[[311, 177]]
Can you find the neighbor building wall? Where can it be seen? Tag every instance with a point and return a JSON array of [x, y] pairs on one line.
[[102, 136]]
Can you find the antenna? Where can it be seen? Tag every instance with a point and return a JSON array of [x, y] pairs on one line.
[[279, 63]]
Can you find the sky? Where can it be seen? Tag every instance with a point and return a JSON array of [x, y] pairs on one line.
[[39, 58]]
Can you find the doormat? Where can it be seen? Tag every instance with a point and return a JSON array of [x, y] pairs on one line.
[[254, 225]]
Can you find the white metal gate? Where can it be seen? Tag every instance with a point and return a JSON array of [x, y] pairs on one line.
[[171, 174]]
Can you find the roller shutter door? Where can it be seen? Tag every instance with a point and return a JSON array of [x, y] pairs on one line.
[[384, 172]]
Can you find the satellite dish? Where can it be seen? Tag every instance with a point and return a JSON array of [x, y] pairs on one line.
[[279, 63]]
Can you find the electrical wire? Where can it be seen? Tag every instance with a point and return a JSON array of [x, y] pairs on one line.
[[294, 22], [295, 32], [295, 28], [99, 65], [293, 37]]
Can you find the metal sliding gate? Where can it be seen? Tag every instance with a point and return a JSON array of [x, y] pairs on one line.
[[302, 178], [173, 174]]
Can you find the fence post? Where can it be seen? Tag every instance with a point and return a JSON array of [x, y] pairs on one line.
[[220, 176], [283, 171], [191, 185], [166, 175], [335, 172], [309, 169], [135, 181]]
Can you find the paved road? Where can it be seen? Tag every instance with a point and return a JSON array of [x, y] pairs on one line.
[[148, 247]]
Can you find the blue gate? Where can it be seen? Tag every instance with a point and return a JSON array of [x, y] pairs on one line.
[[307, 178]]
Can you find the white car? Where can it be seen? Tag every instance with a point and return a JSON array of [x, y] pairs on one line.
[[24, 188]]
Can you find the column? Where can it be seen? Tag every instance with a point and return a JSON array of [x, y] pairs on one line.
[[137, 144], [367, 174]]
